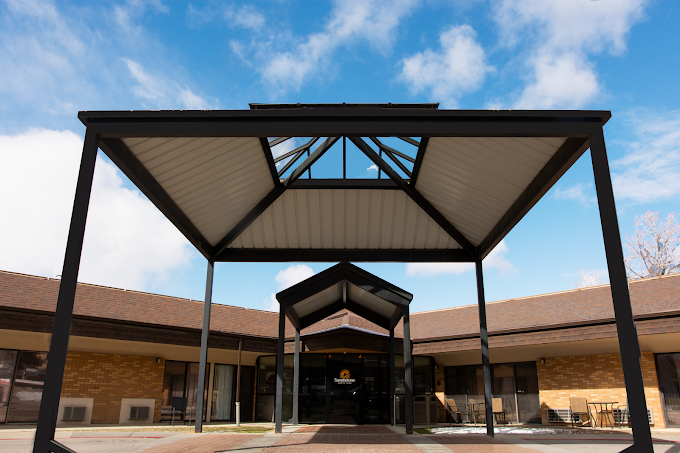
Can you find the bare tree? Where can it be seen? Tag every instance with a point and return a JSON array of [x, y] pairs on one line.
[[588, 277], [654, 249]]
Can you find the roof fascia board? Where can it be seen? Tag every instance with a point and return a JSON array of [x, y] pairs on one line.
[[230, 255], [562, 160], [415, 196], [599, 116], [356, 127], [128, 163], [245, 222], [270, 160]]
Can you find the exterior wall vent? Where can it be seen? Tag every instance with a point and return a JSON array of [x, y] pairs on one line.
[[73, 413], [139, 413], [561, 416]]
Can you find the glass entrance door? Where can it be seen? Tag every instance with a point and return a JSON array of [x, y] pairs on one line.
[[344, 377]]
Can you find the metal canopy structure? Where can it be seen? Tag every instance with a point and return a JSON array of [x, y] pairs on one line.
[[460, 183], [344, 286]]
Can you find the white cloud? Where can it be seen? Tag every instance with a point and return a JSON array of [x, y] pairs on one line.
[[286, 278], [561, 34], [579, 192], [286, 62], [128, 242], [161, 92], [650, 169], [563, 80], [245, 15], [373, 167], [459, 66], [495, 260]]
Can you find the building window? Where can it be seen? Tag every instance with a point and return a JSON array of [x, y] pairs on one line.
[[180, 388], [27, 388], [8, 361], [223, 393], [515, 383], [668, 372]]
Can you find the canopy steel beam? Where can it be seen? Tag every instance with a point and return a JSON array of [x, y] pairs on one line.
[[270, 160], [350, 127], [203, 358], [410, 141], [276, 141], [416, 196], [419, 160], [629, 345], [128, 163], [392, 150], [355, 255], [307, 163], [61, 327], [390, 153], [484, 339], [562, 160], [296, 150]]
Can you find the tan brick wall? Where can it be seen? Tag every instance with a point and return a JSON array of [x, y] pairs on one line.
[[596, 377], [108, 378], [439, 389]]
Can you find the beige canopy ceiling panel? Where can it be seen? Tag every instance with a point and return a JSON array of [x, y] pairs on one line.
[[216, 181], [344, 219], [319, 300], [370, 301], [473, 181]]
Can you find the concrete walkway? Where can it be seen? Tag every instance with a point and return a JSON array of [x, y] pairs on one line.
[[331, 438]]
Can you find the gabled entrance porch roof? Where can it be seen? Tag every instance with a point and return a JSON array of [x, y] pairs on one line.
[[344, 286]]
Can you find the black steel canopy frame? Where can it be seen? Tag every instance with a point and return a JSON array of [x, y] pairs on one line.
[[582, 129]]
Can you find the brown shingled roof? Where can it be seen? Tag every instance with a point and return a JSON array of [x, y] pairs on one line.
[[653, 296], [649, 296]]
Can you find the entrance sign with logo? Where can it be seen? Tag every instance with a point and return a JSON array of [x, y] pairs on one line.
[[344, 378]]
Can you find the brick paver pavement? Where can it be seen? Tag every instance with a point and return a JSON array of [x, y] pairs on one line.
[[337, 443], [204, 443], [477, 443]]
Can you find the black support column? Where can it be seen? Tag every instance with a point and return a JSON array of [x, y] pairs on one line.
[[204, 346], [296, 377], [484, 337], [61, 328], [625, 325], [393, 383], [238, 383], [408, 372], [278, 400]]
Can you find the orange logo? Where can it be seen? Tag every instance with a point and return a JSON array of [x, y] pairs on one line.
[[344, 374]]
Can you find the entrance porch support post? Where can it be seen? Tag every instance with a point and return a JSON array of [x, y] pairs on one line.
[[238, 383], [204, 346], [484, 337], [61, 328], [278, 400], [623, 312], [393, 415], [408, 373], [296, 377]]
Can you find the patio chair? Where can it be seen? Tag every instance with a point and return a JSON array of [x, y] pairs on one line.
[[179, 406], [579, 406], [497, 408], [452, 408]]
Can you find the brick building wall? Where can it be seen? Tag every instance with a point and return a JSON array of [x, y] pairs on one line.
[[108, 378], [596, 377]]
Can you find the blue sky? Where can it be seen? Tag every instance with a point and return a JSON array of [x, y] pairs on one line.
[[59, 58]]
